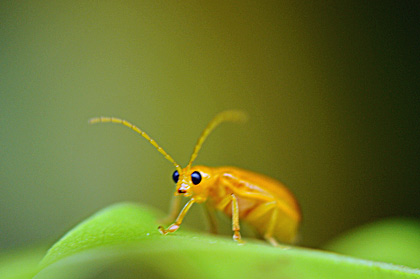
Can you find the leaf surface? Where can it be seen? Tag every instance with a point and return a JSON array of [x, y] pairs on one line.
[[122, 241]]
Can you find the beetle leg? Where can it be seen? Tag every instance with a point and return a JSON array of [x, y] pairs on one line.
[[224, 202], [209, 207], [259, 212], [178, 221], [235, 220], [268, 235], [174, 209]]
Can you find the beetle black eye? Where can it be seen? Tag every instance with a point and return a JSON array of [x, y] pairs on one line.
[[175, 176], [196, 177]]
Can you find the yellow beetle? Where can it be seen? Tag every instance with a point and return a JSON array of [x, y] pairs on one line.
[[264, 203]]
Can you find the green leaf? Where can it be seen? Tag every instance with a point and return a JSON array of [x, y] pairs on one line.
[[122, 241], [394, 241]]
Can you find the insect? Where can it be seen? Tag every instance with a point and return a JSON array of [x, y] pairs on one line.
[[264, 203]]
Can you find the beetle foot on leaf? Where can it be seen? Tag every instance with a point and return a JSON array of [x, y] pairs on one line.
[[170, 229], [237, 238]]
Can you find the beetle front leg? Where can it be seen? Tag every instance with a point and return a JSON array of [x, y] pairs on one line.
[[178, 221], [173, 211]]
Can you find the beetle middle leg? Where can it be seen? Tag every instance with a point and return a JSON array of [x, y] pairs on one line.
[[235, 220], [231, 199]]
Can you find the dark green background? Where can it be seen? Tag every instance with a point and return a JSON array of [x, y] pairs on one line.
[[332, 91]]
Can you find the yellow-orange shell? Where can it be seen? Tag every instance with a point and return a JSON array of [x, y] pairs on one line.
[[258, 196]]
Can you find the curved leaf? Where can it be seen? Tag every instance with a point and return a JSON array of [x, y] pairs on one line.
[[123, 242]]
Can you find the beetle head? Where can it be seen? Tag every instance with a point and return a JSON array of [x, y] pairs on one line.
[[192, 182]]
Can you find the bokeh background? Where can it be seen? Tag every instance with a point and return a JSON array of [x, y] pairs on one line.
[[332, 91]]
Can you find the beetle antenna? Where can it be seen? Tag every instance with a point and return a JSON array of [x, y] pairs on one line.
[[224, 116], [136, 129]]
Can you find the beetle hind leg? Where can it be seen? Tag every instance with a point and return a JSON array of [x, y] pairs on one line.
[[268, 235], [261, 212]]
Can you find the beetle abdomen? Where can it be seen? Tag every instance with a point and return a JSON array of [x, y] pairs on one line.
[[258, 198]]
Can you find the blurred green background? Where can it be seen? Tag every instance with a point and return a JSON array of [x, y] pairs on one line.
[[332, 90]]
